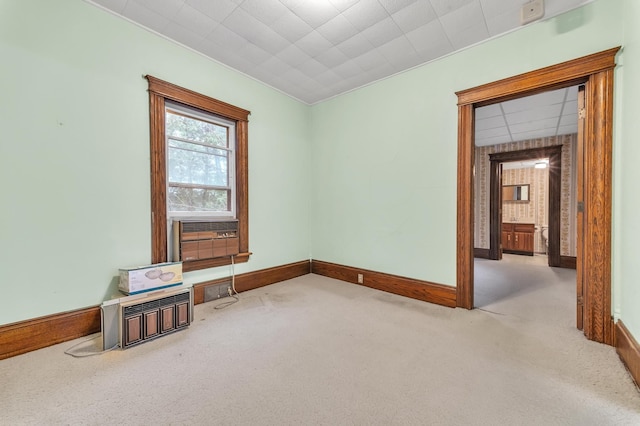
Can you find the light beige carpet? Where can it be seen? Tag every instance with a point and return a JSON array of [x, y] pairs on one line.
[[319, 351]]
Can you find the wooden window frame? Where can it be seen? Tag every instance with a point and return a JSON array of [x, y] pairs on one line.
[[159, 92]]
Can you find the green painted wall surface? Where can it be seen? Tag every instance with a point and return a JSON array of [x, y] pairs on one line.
[[626, 267], [74, 155], [385, 156]]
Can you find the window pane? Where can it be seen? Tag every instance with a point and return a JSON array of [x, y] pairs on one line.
[[196, 130], [197, 199], [196, 164]]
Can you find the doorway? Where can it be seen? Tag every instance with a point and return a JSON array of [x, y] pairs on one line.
[[594, 212]]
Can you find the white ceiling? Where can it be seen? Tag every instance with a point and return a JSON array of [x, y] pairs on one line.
[[313, 50], [546, 114]]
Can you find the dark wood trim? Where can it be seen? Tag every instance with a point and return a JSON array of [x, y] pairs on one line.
[[554, 153], [256, 279], [628, 350], [26, 336], [481, 253], [464, 232], [159, 92], [565, 74], [568, 262], [415, 289], [596, 71]]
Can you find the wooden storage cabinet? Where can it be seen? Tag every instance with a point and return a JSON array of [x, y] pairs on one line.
[[517, 238], [154, 316]]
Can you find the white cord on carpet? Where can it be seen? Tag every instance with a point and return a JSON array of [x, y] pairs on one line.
[[86, 354], [234, 292]]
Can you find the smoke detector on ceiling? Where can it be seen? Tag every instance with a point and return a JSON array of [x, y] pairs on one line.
[[531, 11]]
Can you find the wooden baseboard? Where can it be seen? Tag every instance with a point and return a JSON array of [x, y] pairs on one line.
[[26, 336], [256, 279], [628, 350], [416, 289], [481, 253], [568, 262]]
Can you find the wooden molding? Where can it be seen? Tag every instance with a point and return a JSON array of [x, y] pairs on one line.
[[628, 350], [568, 262], [256, 279], [26, 336], [415, 289], [596, 72], [481, 253]]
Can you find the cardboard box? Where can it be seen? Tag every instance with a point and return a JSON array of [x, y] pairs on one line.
[[152, 277]]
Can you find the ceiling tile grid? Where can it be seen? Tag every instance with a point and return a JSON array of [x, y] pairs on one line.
[[361, 41]]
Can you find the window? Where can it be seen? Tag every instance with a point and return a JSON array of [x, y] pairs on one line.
[[198, 166]]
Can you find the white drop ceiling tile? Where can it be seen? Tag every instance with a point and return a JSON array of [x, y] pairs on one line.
[[355, 46], [493, 141], [194, 20], [381, 71], [332, 57], [531, 126], [291, 27], [407, 61], [370, 60], [166, 8], [572, 94], [337, 30], [328, 78], [297, 78], [312, 68], [394, 50], [343, 5], [488, 111], [534, 114], [500, 24], [465, 26], [314, 13], [265, 11], [313, 43], [234, 61], [499, 7], [491, 133], [568, 129], [293, 55], [182, 35], [552, 8], [217, 10], [534, 101], [254, 54], [381, 32], [271, 41], [243, 24], [413, 16], [146, 17], [114, 5], [226, 38], [348, 69], [570, 107], [537, 134], [392, 6], [429, 37], [365, 13], [490, 122], [569, 119], [443, 7], [275, 66]]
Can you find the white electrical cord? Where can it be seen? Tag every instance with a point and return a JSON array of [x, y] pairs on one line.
[[86, 354], [233, 292]]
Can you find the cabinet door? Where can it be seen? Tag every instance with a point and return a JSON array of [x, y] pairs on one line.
[[506, 240], [151, 324], [132, 329], [182, 314], [167, 319]]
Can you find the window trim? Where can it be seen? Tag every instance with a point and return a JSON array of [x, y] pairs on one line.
[[159, 92]]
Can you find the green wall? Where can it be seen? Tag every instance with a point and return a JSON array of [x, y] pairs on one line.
[[367, 179], [74, 155], [384, 157]]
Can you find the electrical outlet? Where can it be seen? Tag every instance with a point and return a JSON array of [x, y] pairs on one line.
[[360, 279]]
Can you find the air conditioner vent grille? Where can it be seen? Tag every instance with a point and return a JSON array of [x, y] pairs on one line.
[[209, 226]]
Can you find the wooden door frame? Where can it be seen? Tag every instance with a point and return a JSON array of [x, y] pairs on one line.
[[554, 153], [596, 73]]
